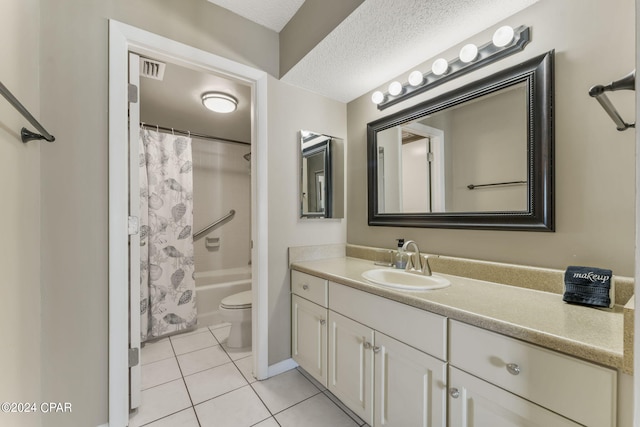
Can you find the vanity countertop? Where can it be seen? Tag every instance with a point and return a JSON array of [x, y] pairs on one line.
[[533, 316]]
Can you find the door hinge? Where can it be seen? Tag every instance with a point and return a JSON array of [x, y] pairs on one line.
[[134, 357], [134, 225], [430, 157], [133, 93]]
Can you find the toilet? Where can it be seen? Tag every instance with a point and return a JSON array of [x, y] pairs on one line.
[[236, 309]]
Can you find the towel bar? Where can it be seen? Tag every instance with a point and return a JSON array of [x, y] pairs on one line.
[[628, 82], [26, 134], [473, 186]]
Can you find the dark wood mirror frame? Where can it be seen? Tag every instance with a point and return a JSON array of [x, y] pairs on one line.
[[538, 75]]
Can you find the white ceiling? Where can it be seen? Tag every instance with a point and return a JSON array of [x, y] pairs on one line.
[[379, 40], [273, 14]]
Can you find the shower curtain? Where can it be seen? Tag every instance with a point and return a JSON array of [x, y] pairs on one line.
[[167, 286]]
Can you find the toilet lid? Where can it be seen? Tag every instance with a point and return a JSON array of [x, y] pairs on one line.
[[237, 301]]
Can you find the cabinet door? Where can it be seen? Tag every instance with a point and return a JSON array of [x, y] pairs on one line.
[[410, 386], [309, 337], [351, 364], [477, 403]]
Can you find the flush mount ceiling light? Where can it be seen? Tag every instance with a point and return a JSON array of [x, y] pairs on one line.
[[219, 102], [505, 41]]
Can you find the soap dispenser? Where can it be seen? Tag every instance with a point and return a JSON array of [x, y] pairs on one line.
[[401, 255]]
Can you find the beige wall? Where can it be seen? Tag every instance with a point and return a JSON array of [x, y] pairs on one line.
[[290, 110], [221, 182], [74, 246], [20, 214], [594, 163]]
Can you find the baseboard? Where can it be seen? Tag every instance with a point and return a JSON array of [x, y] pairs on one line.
[[280, 367]]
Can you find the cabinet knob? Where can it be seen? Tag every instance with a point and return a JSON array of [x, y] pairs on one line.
[[367, 345], [454, 392], [513, 368], [305, 287], [323, 322], [376, 348]]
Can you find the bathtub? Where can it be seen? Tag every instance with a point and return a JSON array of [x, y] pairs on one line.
[[213, 286]]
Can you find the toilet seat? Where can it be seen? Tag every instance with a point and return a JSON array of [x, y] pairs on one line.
[[237, 301]]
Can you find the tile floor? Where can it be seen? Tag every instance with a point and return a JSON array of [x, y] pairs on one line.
[[195, 380]]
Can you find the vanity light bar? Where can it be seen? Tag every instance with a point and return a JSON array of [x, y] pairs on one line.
[[471, 58]]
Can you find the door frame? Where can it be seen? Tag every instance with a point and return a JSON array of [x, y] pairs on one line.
[[135, 372], [122, 39]]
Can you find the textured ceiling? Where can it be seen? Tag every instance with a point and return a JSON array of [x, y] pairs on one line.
[[384, 38], [273, 14]]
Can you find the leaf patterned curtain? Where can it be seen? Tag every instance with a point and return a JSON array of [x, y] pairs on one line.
[[167, 286]]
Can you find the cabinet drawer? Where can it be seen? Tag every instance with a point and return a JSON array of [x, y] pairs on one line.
[[310, 287], [418, 328], [579, 390]]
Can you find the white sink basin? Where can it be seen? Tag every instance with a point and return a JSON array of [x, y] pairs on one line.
[[400, 279]]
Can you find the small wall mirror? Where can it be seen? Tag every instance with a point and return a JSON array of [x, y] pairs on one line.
[[477, 157], [321, 176]]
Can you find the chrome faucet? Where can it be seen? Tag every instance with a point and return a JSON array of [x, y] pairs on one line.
[[421, 263]]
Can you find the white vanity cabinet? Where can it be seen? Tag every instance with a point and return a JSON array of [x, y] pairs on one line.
[[396, 365], [384, 381], [513, 383], [309, 324]]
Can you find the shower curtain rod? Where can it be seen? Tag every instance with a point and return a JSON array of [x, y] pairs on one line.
[[192, 134]]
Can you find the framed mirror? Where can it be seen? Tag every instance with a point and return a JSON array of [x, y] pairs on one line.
[[321, 176], [478, 157]]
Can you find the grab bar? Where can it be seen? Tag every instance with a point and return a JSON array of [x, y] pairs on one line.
[[26, 134], [628, 82], [213, 224], [472, 186]]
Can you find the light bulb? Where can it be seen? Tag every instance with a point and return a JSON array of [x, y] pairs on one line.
[[395, 88], [415, 78], [440, 66], [468, 53], [503, 36], [377, 97]]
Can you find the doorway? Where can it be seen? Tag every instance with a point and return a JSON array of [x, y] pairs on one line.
[[122, 40]]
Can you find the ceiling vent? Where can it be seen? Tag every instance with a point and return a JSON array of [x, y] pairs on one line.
[[152, 69]]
